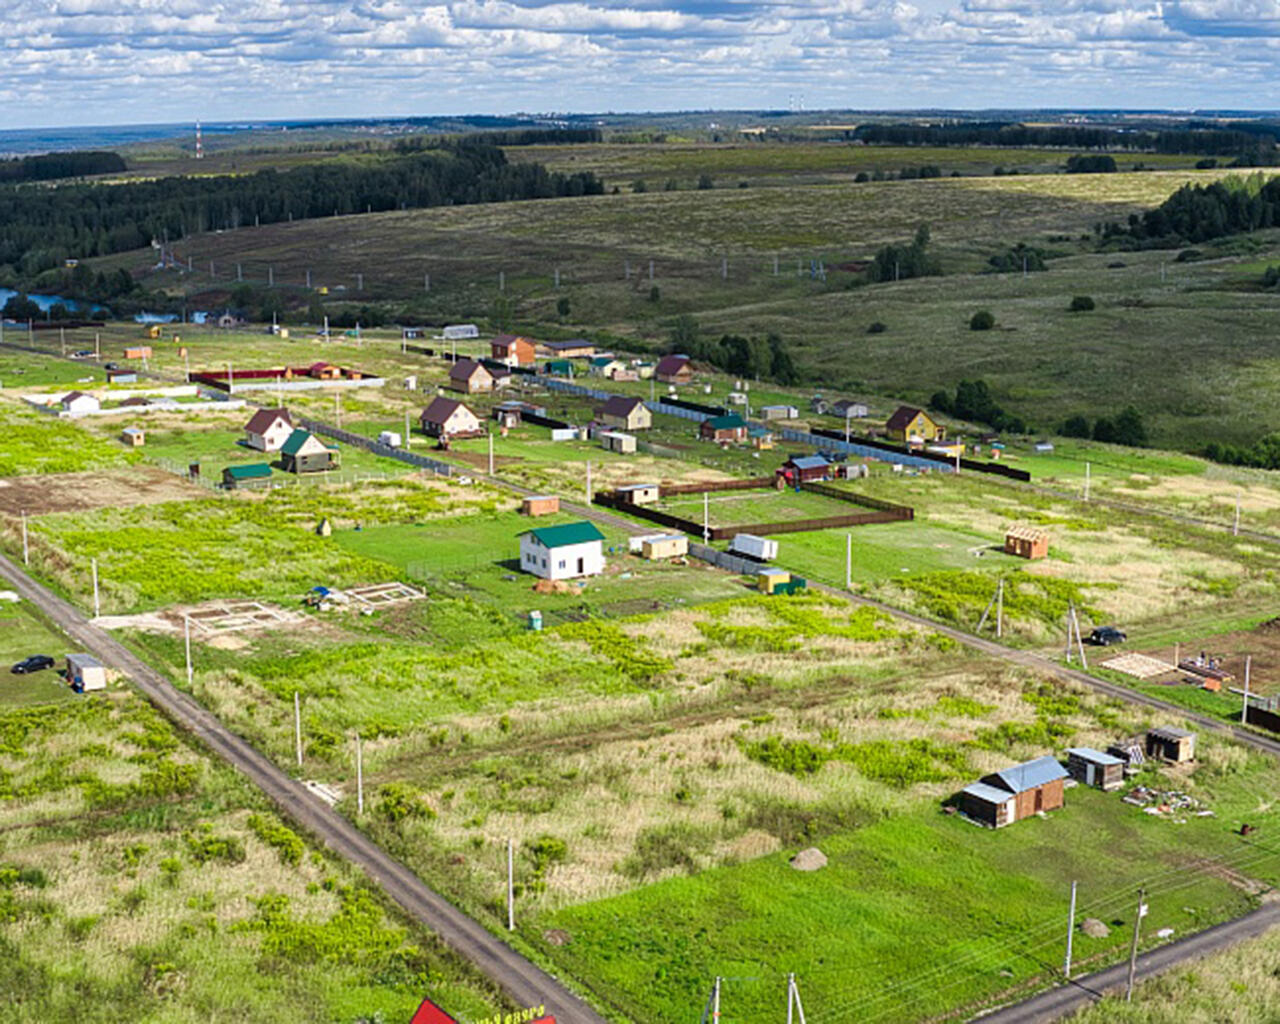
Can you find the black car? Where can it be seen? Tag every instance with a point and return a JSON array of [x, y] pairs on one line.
[[111, 366], [35, 663], [1105, 636]]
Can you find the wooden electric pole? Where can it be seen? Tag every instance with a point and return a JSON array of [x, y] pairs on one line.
[[1133, 947]]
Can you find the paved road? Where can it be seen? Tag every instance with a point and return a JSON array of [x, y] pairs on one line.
[[527, 984], [1079, 993]]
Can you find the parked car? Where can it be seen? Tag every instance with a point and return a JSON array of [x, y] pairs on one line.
[[35, 663], [84, 353], [112, 366], [1105, 636]]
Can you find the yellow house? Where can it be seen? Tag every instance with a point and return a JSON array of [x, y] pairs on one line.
[[910, 424]]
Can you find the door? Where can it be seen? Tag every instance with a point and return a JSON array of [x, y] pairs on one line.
[[1089, 774], [582, 568], [1039, 800]]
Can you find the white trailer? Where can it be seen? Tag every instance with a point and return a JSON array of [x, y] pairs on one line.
[[390, 438], [761, 549], [461, 332]]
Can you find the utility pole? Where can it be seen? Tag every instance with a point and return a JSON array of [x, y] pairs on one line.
[[96, 606], [511, 885], [502, 280], [308, 277], [715, 1003], [407, 436], [359, 282], [1086, 480], [186, 630], [337, 409], [297, 726], [1071, 928], [1133, 948], [359, 777], [26, 551], [1244, 709], [724, 268], [1235, 527], [426, 283], [97, 343], [588, 483], [1000, 610], [491, 460], [793, 1000], [706, 517], [557, 277], [847, 411], [271, 277], [848, 561]]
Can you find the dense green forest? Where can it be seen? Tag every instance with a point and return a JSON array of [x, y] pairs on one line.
[[1214, 141], [45, 226], [50, 166], [1198, 213]]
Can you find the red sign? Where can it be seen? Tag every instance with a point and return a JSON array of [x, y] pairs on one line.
[[429, 1013]]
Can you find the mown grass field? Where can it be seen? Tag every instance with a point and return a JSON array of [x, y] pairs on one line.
[[23, 634], [729, 508]]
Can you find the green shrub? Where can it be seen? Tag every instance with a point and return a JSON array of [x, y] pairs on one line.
[[630, 655], [662, 847], [1081, 304], [895, 763], [204, 846], [399, 801], [983, 320], [286, 842]]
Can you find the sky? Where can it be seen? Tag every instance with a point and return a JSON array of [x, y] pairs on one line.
[[83, 62]]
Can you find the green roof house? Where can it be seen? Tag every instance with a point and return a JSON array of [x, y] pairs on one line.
[[303, 452], [248, 474], [562, 552]]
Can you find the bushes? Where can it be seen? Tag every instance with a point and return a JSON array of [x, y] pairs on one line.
[[1020, 259], [973, 402], [983, 320], [204, 846], [286, 842], [630, 655], [896, 763], [1081, 304], [662, 847], [876, 327]]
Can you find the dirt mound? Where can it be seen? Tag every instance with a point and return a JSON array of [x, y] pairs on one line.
[[1094, 928], [1270, 626], [554, 587], [811, 859]]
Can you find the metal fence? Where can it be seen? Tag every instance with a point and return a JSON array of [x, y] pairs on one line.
[[377, 447], [675, 410], [862, 451], [556, 384], [724, 560]]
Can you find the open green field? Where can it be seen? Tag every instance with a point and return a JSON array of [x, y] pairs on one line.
[[795, 162], [38, 443], [766, 505]]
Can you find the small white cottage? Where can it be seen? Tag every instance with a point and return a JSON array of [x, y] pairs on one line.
[[562, 552]]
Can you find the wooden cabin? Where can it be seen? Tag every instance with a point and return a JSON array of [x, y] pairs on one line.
[[1026, 542], [1094, 768]]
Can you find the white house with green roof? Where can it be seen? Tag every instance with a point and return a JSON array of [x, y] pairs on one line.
[[562, 552]]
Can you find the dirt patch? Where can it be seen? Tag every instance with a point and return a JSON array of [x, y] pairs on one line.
[[481, 460], [74, 492]]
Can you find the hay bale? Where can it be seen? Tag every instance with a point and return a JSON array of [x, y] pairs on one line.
[[811, 859], [1094, 928]]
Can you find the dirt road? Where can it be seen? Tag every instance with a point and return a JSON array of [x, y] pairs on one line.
[[526, 983]]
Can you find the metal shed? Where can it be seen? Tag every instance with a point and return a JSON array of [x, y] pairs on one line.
[[85, 672], [1094, 768]]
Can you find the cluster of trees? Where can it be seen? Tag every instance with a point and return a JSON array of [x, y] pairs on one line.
[[1196, 213], [759, 358], [49, 166], [973, 402], [1271, 277], [44, 226], [897, 262], [1216, 141], [1021, 257], [1263, 453], [1126, 428], [507, 137], [906, 174], [1094, 163]]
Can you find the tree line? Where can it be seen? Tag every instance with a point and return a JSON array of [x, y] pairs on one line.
[[1264, 453], [45, 226], [974, 403], [1211, 141], [757, 358], [1197, 213], [507, 137], [50, 166]]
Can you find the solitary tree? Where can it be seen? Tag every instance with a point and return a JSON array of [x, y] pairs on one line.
[[982, 320]]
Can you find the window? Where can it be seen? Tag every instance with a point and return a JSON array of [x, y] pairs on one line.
[[561, 565]]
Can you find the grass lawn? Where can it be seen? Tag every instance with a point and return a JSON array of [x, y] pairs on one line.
[[766, 505], [29, 371], [917, 915], [22, 634]]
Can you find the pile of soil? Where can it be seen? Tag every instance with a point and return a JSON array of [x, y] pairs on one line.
[[811, 859], [1094, 928], [554, 587]]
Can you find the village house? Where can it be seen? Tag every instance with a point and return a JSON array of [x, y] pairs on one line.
[[513, 350], [913, 426], [575, 348], [540, 505], [625, 413], [562, 552], [303, 452], [802, 469], [324, 371], [728, 429], [639, 494], [616, 441], [655, 546], [447, 417], [1026, 542], [605, 366], [1015, 793], [470, 377], [558, 368], [674, 369], [78, 403], [134, 437], [778, 412], [848, 409], [761, 437], [268, 429]]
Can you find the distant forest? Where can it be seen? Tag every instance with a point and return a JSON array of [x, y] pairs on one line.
[[45, 226], [1232, 141], [49, 166]]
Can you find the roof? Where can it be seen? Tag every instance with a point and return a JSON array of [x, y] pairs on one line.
[[783, 406], [988, 793], [603, 360], [1169, 732], [568, 346], [755, 430], [317, 367], [620, 405], [563, 536], [730, 421], [809, 462], [902, 417], [1096, 756], [71, 396], [294, 442], [507, 340], [465, 369], [559, 364], [263, 418], [83, 661], [132, 430], [441, 409], [847, 403], [1031, 533], [1031, 774], [638, 487], [249, 471], [671, 364]]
